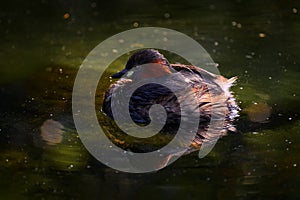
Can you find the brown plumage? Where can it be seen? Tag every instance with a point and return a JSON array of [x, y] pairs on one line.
[[212, 92]]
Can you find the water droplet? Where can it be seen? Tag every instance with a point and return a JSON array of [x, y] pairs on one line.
[[135, 24], [66, 15], [167, 15], [261, 35]]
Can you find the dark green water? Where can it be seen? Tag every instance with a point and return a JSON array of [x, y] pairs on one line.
[[42, 48]]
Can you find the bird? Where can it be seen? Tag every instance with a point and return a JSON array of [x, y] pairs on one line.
[[210, 91]]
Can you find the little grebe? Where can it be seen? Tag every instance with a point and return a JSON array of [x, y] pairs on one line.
[[210, 93]]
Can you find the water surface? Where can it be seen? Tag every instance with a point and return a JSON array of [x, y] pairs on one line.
[[42, 46]]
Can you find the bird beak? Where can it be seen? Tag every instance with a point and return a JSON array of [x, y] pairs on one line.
[[119, 74]]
